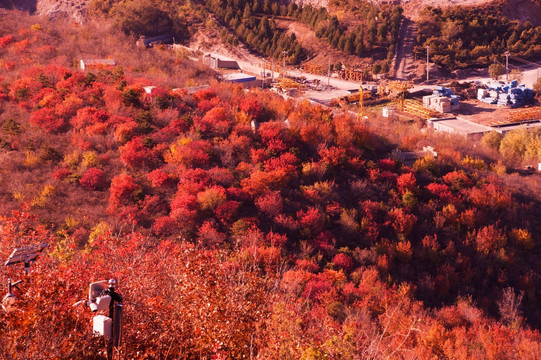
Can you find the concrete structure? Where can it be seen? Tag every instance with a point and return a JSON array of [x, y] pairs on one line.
[[243, 79], [85, 64], [193, 89], [430, 150], [155, 40], [148, 89], [218, 62], [503, 129], [454, 125], [387, 111], [409, 157]]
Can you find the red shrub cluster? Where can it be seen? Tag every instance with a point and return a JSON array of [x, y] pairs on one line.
[[299, 239]]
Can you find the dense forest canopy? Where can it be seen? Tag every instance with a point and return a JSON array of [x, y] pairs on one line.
[[461, 37], [254, 24], [301, 238]]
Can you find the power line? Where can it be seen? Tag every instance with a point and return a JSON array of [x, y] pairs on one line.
[[524, 61]]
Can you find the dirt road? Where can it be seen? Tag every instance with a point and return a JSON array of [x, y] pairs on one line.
[[404, 54]]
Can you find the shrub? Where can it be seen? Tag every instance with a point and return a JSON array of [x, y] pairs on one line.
[[492, 140], [158, 177], [93, 179], [123, 191]]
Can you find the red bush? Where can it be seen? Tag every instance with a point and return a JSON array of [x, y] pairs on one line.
[[204, 94], [406, 182], [387, 164], [270, 203], [401, 221], [311, 219], [251, 106], [158, 178], [122, 191], [5, 40], [209, 235], [125, 131], [48, 120], [184, 208], [216, 122], [61, 174], [489, 239], [227, 211], [164, 226], [135, 155], [442, 191], [333, 156], [93, 179], [88, 116], [457, 180], [343, 261]]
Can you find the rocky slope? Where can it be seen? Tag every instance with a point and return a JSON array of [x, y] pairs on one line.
[[75, 9]]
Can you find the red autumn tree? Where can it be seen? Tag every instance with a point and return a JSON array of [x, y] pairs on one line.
[[123, 191], [136, 155]]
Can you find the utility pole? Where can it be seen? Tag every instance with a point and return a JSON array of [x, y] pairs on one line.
[[361, 100], [427, 62], [284, 53], [329, 74], [507, 65], [264, 73]]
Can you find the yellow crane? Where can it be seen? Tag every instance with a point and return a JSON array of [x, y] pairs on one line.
[[285, 84]]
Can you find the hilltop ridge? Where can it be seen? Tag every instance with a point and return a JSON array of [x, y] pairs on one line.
[[524, 10]]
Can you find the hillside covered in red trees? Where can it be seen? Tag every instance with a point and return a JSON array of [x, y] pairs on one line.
[[298, 238]]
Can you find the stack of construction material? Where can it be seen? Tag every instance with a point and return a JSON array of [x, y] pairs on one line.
[[506, 94], [443, 91], [439, 103], [448, 93], [455, 101]]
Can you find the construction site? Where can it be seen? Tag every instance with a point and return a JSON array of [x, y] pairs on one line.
[[470, 107]]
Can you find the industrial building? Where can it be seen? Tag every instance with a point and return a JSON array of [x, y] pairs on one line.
[[245, 80], [220, 62], [85, 64], [456, 125]]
